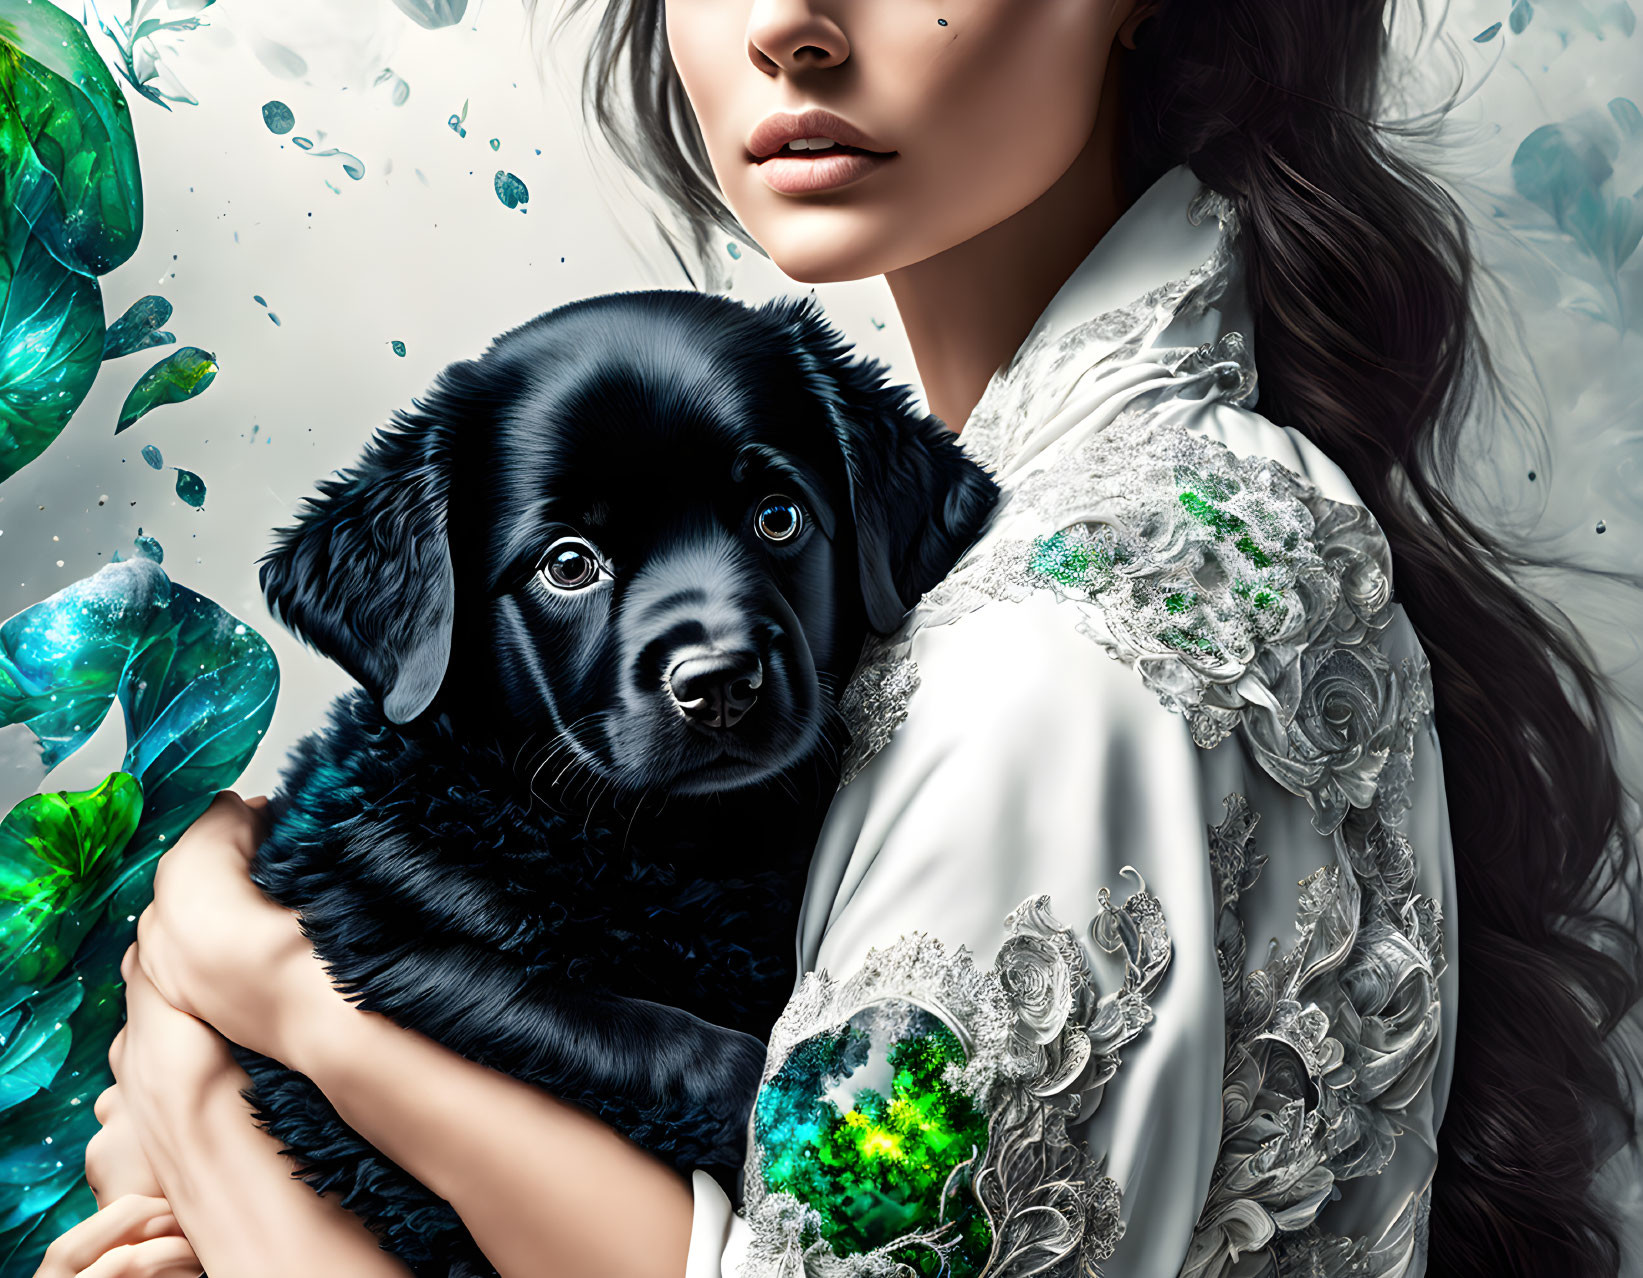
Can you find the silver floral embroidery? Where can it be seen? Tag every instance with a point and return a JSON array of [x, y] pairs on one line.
[[1327, 1043], [874, 703], [1040, 1042]]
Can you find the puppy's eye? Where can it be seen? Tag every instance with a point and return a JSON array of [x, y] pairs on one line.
[[779, 518], [570, 564]]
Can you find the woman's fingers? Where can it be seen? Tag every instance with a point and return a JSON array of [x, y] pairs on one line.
[[170, 1257], [130, 1219]]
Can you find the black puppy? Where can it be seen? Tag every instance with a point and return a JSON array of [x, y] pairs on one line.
[[600, 588]]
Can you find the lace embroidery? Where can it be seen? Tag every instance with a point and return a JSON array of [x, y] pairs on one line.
[[874, 704], [1002, 422], [913, 1118], [1327, 1042]]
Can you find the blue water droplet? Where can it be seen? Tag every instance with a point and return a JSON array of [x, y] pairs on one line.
[[734, 249], [496, 144], [152, 456], [398, 348], [1486, 35], [304, 143]]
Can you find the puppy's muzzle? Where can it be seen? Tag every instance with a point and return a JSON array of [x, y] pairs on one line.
[[715, 689]]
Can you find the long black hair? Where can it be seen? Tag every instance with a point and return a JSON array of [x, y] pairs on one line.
[[1360, 280]]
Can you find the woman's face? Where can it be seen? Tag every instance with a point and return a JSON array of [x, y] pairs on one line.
[[969, 110]]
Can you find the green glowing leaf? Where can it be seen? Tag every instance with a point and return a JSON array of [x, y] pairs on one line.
[[56, 849], [68, 159], [180, 376]]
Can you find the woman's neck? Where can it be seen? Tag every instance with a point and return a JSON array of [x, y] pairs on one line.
[[966, 310]]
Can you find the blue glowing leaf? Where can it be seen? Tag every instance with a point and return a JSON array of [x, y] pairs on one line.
[[510, 190], [139, 328], [278, 117], [51, 345], [190, 487], [197, 689]]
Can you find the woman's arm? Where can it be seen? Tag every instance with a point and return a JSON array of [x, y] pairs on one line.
[[545, 1189]]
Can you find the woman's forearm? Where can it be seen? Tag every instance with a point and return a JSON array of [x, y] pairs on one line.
[[547, 1190], [246, 1216]]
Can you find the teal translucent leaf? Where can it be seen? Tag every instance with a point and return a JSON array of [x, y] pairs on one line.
[[1567, 169], [180, 376], [510, 190], [1521, 15], [197, 689], [139, 328], [278, 117], [190, 487], [68, 160], [51, 344], [433, 14]]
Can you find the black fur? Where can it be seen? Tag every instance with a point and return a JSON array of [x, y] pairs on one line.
[[523, 838]]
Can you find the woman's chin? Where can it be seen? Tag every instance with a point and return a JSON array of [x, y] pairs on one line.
[[829, 245]]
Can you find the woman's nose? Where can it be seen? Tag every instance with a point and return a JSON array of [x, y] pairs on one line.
[[794, 35]]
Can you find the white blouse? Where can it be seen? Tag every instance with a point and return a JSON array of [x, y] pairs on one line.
[[1125, 934]]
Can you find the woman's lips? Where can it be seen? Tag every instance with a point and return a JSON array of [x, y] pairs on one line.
[[793, 173]]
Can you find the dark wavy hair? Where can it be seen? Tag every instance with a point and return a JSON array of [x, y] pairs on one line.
[[1361, 283]]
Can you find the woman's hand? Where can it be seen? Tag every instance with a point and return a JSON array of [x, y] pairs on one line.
[[168, 1069], [218, 949], [116, 1164], [134, 1236], [226, 1181]]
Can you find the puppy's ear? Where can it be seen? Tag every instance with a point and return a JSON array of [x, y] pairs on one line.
[[364, 576], [917, 500]]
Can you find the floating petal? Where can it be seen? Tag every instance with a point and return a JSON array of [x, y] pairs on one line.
[[152, 456], [278, 117], [178, 377], [139, 328], [190, 487], [510, 190], [433, 14]]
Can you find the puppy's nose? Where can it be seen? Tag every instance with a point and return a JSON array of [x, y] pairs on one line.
[[715, 689]]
